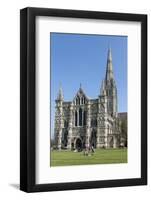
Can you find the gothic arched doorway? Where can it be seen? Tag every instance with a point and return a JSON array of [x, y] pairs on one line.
[[93, 139], [78, 144], [110, 142], [65, 139]]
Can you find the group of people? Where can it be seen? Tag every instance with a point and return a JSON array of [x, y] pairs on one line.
[[88, 150]]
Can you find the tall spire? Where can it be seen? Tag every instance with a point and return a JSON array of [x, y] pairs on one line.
[[109, 86], [60, 93], [109, 67]]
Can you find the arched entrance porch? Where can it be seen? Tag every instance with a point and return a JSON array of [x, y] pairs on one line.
[[93, 139], [78, 144]]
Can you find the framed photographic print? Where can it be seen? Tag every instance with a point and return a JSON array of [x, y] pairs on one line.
[[83, 99]]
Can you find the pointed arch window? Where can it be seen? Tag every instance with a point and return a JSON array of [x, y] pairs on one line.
[[84, 118], [77, 100], [80, 117], [76, 118], [83, 100]]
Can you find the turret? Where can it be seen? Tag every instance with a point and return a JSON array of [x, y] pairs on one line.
[[59, 118], [60, 94], [103, 91]]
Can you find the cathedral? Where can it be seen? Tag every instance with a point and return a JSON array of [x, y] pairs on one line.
[[86, 122]]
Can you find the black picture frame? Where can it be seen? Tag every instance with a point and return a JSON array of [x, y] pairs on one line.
[[28, 99]]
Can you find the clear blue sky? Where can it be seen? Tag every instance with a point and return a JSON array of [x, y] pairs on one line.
[[80, 58]]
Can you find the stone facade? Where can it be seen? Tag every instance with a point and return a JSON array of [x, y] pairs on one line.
[[86, 122]]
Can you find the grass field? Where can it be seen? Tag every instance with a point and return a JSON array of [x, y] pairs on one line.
[[101, 156]]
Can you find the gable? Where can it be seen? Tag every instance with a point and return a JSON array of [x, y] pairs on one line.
[[80, 97]]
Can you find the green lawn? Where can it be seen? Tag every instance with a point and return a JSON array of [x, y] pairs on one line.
[[101, 156]]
